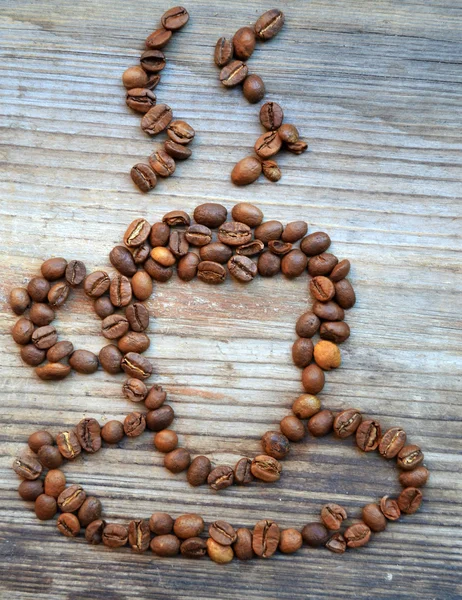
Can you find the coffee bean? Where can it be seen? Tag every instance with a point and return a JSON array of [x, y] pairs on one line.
[[198, 471], [114, 326], [27, 467], [269, 24], [38, 439], [223, 51], [392, 441], [251, 248], [242, 472], [246, 171], [290, 541], [50, 457], [336, 544], [53, 371], [336, 331], [160, 418], [180, 132], [294, 263], [223, 533], [166, 441], [340, 271], [134, 424], [268, 144], [140, 99], [121, 259], [374, 517], [328, 311], [233, 73], [265, 538], [307, 325], [270, 230], [115, 535], [139, 536], [289, 135], [322, 264], [243, 544], [177, 217], [94, 532], [176, 150], [158, 38], [60, 351], [72, 498], [41, 314], [409, 457], [321, 423], [165, 545], [162, 163], [268, 264], [313, 379], [275, 444], [135, 77], [270, 168], [220, 477], [178, 243], [210, 214], [178, 460], [90, 511], [157, 271], [137, 316], [333, 515], [32, 356], [160, 233], [416, 478], [315, 243], [30, 490], [142, 285], [218, 552], [187, 266], [110, 358], [84, 361], [390, 508], [292, 428], [368, 435], [96, 284], [254, 91], [58, 294], [298, 147], [68, 444], [271, 116], [54, 268], [234, 233], [160, 523], [315, 534], [19, 300], [38, 288], [134, 342], [45, 507], [45, 337], [306, 405], [244, 43], [141, 253], [247, 213], [143, 177], [242, 268], [193, 548], [68, 525], [88, 433], [75, 273], [188, 526], [266, 468], [347, 422], [55, 483], [211, 272], [322, 288], [156, 119], [344, 294], [327, 355], [164, 256], [136, 233], [216, 252], [279, 247], [357, 535], [113, 432], [152, 61], [175, 18]]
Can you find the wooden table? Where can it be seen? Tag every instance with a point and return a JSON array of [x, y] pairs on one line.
[[375, 89]]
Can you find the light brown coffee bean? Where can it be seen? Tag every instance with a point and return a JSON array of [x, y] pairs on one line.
[[246, 171], [156, 119], [233, 73]]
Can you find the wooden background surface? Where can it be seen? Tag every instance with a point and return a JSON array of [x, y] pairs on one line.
[[375, 88]]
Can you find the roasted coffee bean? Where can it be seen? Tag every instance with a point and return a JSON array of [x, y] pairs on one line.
[[294, 231], [84, 361], [270, 230], [110, 358], [340, 271], [160, 233], [328, 311], [368, 435], [321, 423], [68, 444], [113, 432], [244, 43], [347, 422], [139, 536], [177, 151], [162, 163], [357, 535], [223, 51], [392, 442], [322, 288], [246, 171], [336, 331], [344, 294], [271, 116], [72, 498], [187, 266], [242, 472], [165, 545], [115, 535], [220, 477], [157, 271], [88, 433], [210, 214], [178, 243], [58, 294], [136, 233], [45, 337], [75, 272], [28, 467], [193, 548], [68, 524], [134, 342], [30, 490], [134, 424], [270, 168], [53, 371], [322, 264], [416, 478], [59, 351], [265, 538], [313, 379], [188, 526], [254, 91], [114, 326], [290, 541], [45, 507], [96, 284], [279, 247], [160, 523], [307, 325], [268, 144], [275, 444], [152, 61], [390, 508], [142, 285], [160, 418], [251, 248], [156, 119], [294, 263], [137, 316], [242, 268], [234, 233], [266, 468], [289, 134], [268, 264], [336, 544], [175, 18], [32, 356], [177, 460], [140, 99], [121, 259], [243, 544], [54, 268], [306, 405], [198, 235], [90, 511], [198, 471], [374, 517], [141, 253], [247, 213], [143, 177], [38, 288], [158, 39], [327, 355], [298, 147], [211, 272], [292, 428], [315, 243], [218, 552], [223, 533], [269, 24], [409, 457], [38, 439], [55, 483], [94, 532], [315, 534], [180, 132], [41, 314], [333, 515], [177, 217], [50, 457], [216, 252], [19, 300], [135, 77], [233, 73], [165, 440]]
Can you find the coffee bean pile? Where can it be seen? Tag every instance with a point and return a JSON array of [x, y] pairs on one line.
[[231, 55], [278, 135], [139, 82]]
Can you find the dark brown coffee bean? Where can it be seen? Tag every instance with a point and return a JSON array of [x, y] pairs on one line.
[[223, 533], [322, 264], [247, 213], [298, 147], [96, 284], [158, 39], [315, 534], [162, 163], [120, 291], [292, 428], [94, 532], [113, 432], [180, 132], [178, 243], [392, 441], [279, 247], [368, 435], [90, 511], [38, 288], [165, 440], [344, 294], [177, 151], [244, 43], [290, 541], [134, 342], [390, 508], [270, 168], [45, 507], [233, 73], [321, 423], [242, 472], [103, 307], [194, 548], [357, 535], [269, 24], [157, 271], [68, 444], [19, 300], [242, 268], [84, 361], [289, 135], [45, 337], [265, 538], [210, 214], [328, 311], [266, 468], [68, 524], [268, 264], [374, 517], [121, 259], [161, 523], [58, 294], [315, 243], [347, 422], [159, 236], [333, 515], [110, 358], [141, 253], [137, 316], [135, 77], [307, 325], [322, 289], [134, 424], [143, 176], [114, 326], [313, 379], [60, 351], [246, 171], [216, 252], [409, 457], [41, 314], [50, 457], [55, 483], [187, 266], [115, 535], [340, 271], [152, 61], [165, 545], [336, 544], [177, 217], [139, 536], [416, 478], [75, 273], [275, 444], [220, 477], [234, 233], [140, 99], [211, 272], [267, 145], [198, 471], [336, 331], [223, 51], [270, 230], [160, 418], [54, 268], [254, 91], [88, 433], [142, 285], [53, 371], [38, 439], [294, 263], [294, 231], [30, 490], [32, 356], [271, 116], [136, 365], [175, 18], [156, 119], [243, 544], [72, 498], [177, 460], [251, 248], [28, 467]]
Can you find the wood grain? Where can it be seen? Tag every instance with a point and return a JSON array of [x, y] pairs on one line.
[[375, 89]]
